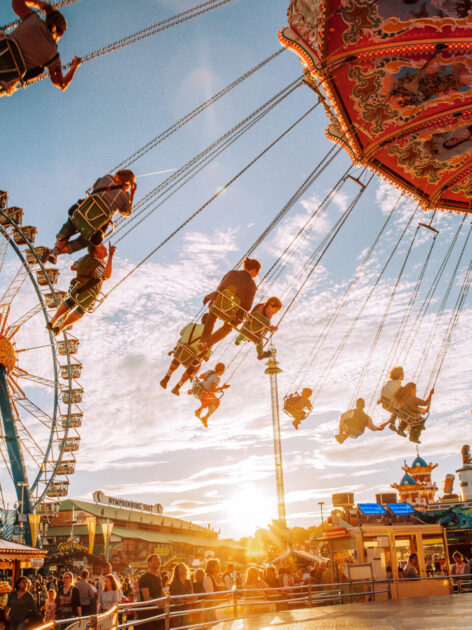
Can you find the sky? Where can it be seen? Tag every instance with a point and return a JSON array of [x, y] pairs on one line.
[[143, 443]]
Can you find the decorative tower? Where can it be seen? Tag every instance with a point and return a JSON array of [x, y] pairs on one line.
[[272, 370], [465, 474], [416, 486]]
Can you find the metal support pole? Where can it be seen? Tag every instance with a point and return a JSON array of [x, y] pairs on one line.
[[235, 603], [309, 593], [167, 612], [272, 370]]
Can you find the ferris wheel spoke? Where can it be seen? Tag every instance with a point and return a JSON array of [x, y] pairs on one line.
[[12, 290], [30, 445], [33, 409], [15, 327], [3, 251], [36, 379], [5, 457]]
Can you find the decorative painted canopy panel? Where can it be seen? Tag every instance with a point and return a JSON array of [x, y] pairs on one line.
[[395, 77]]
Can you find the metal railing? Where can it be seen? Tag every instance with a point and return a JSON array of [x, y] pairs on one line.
[[198, 610]]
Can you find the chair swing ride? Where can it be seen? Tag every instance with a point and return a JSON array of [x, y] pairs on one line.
[[395, 86]]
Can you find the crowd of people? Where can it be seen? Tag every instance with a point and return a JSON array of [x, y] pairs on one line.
[[197, 592]]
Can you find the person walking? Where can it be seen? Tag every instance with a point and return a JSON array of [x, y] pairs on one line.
[[68, 599], [110, 595], [88, 602], [21, 605], [150, 587]]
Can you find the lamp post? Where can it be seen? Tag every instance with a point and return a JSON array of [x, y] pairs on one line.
[[321, 503], [22, 485]]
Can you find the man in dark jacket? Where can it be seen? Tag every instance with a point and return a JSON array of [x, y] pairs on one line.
[[242, 285]]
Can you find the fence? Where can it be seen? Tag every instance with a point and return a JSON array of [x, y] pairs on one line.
[[198, 610]]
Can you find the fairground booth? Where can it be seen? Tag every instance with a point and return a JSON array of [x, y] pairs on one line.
[[373, 541], [16, 559], [84, 534]]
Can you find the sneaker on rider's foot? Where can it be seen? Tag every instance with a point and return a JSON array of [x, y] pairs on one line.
[[176, 390], [401, 432], [392, 427], [414, 440], [264, 355], [295, 424], [164, 382], [204, 421], [339, 439], [49, 326]]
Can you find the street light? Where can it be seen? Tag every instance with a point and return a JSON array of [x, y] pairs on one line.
[[22, 485], [321, 503]]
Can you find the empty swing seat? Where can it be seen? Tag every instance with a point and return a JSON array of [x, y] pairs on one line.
[[255, 327], [226, 306], [91, 215]]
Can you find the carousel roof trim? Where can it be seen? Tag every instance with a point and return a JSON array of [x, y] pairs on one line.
[[12, 550]]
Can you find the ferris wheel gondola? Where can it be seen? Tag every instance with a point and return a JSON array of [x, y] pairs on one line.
[[39, 389]]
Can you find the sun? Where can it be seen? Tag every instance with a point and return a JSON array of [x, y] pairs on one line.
[[248, 509]]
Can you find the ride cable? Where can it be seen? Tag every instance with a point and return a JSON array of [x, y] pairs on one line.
[[413, 334], [324, 245], [159, 27], [382, 324], [207, 203], [406, 316], [451, 327], [348, 333], [432, 332], [203, 157], [276, 269], [305, 367], [152, 144]]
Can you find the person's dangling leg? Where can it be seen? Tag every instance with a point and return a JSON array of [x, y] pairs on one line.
[[239, 339], [343, 432], [172, 367], [212, 405], [73, 317], [401, 428], [392, 420], [219, 334], [261, 353], [208, 328], [62, 310]]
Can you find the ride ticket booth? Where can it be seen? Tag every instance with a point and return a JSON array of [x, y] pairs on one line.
[[384, 549]]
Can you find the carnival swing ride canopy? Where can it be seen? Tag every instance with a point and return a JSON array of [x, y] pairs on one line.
[[395, 79]]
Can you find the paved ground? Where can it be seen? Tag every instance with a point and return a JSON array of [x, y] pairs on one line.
[[448, 612]]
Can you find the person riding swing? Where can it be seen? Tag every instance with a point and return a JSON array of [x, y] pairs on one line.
[[298, 406], [91, 217], [188, 346], [32, 47], [267, 309], [84, 289], [237, 289], [354, 422], [406, 401], [208, 388]]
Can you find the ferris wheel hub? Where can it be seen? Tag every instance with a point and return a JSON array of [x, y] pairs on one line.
[[7, 354]]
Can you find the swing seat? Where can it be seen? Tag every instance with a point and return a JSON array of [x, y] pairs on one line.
[[12, 63], [255, 327], [54, 299], [197, 388], [29, 232], [290, 407], [411, 420], [85, 298], [226, 306], [50, 276], [14, 214], [91, 216], [185, 356]]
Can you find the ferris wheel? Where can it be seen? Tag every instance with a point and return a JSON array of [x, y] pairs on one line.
[[39, 391]]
